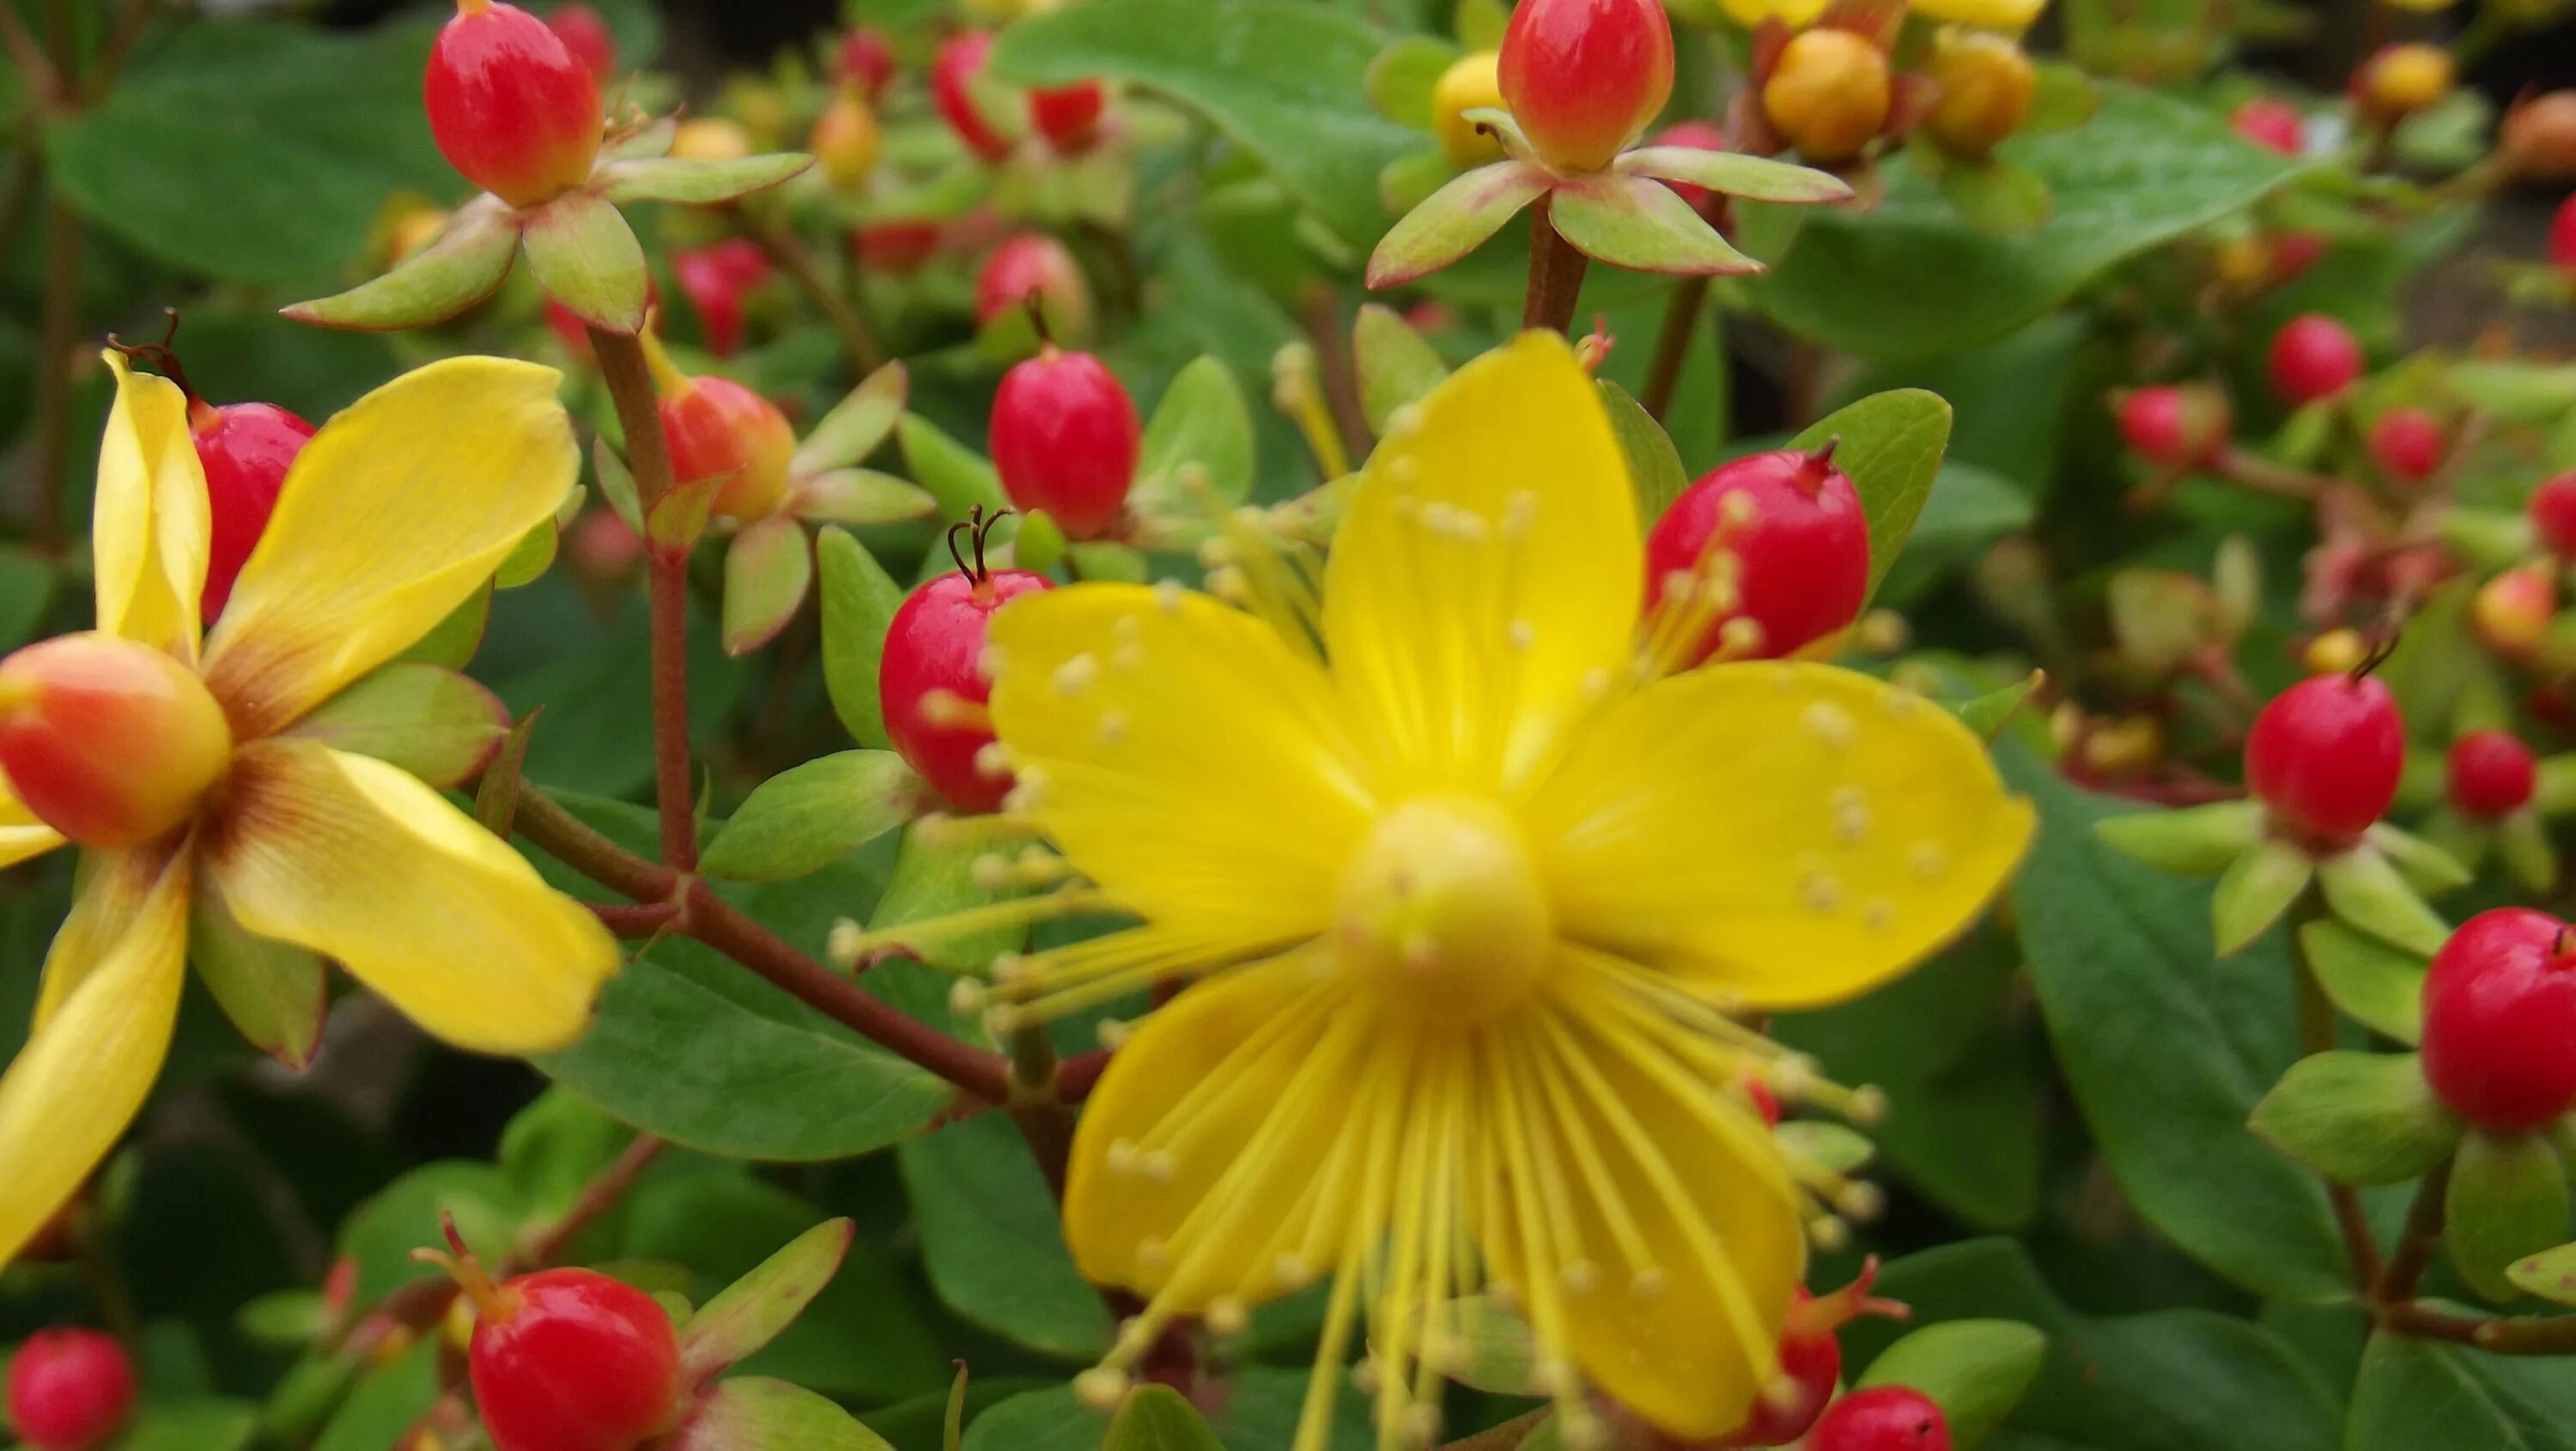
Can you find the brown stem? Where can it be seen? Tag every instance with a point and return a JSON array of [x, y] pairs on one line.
[[1334, 365], [633, 920], [44, 85], [1672, 345], [2266, 477], [1555, 274], [2519, 1335], [858, 340], [597, 1197], [57, 336], [1079, 1074], [130, 23], [1044, 1118], [2423, 1234], [2317, 1035]]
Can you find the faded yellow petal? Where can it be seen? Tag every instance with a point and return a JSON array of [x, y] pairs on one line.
[[150, 523], [1180, 756], [357, 860], [395, 513], [85, 1072], [1997, 14], [1487, 569], [22, 836], [1796, 832]]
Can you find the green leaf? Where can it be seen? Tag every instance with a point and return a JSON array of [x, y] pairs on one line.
[[768, 568], [1201, 433], [1643, 225], [679, 518], [860, 498], [2426, 1393], [406, 1215], [1890, 444], [2198, 841], [754, 1309], [1654, 466], [274, 992], [432, 722], [695, 182], [1396, 365], [2508, 1199], [1995, 195], [1155, 1418], [809, 816], [1109, 560], [1401, 79], [1259, 1413], [2364, 890], [1989, 713], [1968, 509], [2376, 985], [858, 423], [1454, 221], [1911, 277], [957, 476], [759, 1414], [455, 271], [385, 1402], [2167, 1049], [586, 257], [2357, 1118], [993, 1242], [1286, 81], [190, 1425], [1974, 1370], [2254, 891], [2550, 1274], [1753, 178], [859, 601]]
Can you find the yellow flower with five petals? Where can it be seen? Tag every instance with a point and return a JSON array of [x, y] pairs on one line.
[[1473, 894], [272, 850]]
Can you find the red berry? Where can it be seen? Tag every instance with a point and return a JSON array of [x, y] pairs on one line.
[[866, 60], [1882, 1418], [2294, 253], [510, 105], [1766, 1101], [2491, 773], [245, 449], [70, 1390], [2562, 237], [2174, 425], [898, 247], [1699, 135], [2553, 514], [571, 1360], [1065, 437], [1068, 116], [587, 37], [715, 280], [717, 426], [936, 644], [1810, 1362], [953, 77], [2499, 1014], [2269, 122], [1799, 540], [1583, 77], [2313, 356], [1030, 266], [2325, 755], [2407, 444]]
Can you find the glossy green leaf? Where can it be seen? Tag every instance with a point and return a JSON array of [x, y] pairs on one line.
[[2425, 1393], [455, 271], [756, 1413], [993, 1243], [2508, 1200], [1654, 466], [1996, 195], [431, 721], [809, 816], [750, 1312], [768, 568], [2376, 985], [1643, 225], [697, 182], [957, 476], [1396, 366], [2357, 1118], [1155, 1418], [1197, 454], [1976, 1371], [586, 257], [1891, 445], [858, 423], [1454, 221], [859, 601]]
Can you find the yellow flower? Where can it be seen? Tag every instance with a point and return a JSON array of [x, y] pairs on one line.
[[1796, 14], [2014, 15], [1472, 895], [393, 515]]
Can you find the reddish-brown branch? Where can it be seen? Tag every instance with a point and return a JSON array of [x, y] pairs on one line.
[[598, 1197], [1555, 274], [2423, 1234], [1672, 345]]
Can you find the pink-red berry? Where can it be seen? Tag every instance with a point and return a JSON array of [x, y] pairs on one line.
[[2269, 122], [866, 61], [70, 1390], [2174, 425], [1811, 1361], [931, 686], [901, 247], [1799, 543], [1882, 1418], [2490, 773], [2407, 444], [1065, 438], [954, 74], [1033, 268], [1068, 116], [571, 1360], [2499, 1014], [1583, 77], [109, 742], [588, 38], [2562, 237], [2553, 514], [510, 105], [716, 279], [1700, 136], [2325, 756], [245, 449], [2312, 357]]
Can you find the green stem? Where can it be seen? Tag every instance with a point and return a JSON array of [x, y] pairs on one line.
[[2317, 1034], [1555, 274]]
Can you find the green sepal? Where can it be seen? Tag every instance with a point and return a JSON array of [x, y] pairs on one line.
[[1655, 469], [2254, 891], [275, 993], [452, 641], [1643, 225], [1989, 713], [2422, 863], [2488, 538], [586, 257], [1038, 542], [1837, 1148], [2195, 841], [2364, 889], [530, 558], [1158, 1418], [616, 483], [1754, 178], [859, 601], [1454, 221], [438, 725], [767, 570], [1976, 1371], [1396, 365], [860, 498], [957, 476], [2550, 1274], [2522, 839], [751, 1312], [1107, 560], [2358, 1118], [809, 816], [458, 269], [697, 181], [679, 518], [755, 1413], [858, 423], [2376, 985], [2508, 1201]]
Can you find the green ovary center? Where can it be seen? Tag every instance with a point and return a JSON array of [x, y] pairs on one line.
[[1441, 912]]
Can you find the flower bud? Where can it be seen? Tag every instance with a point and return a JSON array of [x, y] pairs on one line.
[[510, 106], [1583, 77], [717, 426], [107, 741], [845, 140], [1472, 83], [2537, 139], [710, 138], [2400, 80], [1986, 87], [1829, 95], [715, 280]]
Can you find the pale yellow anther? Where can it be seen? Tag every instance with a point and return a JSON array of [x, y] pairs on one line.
[[1101, 1387], [1226, 1315], [1076, 674], [967, 999], [1829, 723]]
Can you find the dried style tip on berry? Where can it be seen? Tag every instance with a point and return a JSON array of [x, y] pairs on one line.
[[509, 104], [2490, 773], [2269, 123], [2175, 425], [1829, 95], [1758, 559], [1584, 77], [2312, 357], [70, 1390], [933, 681], [954, 75], [1811, 1362], [1882, 1418], [1472, 83], [565, 1360], [2407, 444], [1986, 84], [1065, 438], [107, 741], [2325, 756], [2499, 1014], [717, 427]]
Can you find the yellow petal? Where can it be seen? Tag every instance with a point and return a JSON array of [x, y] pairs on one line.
[[1796, 832], [150, 523], [1180, 756], [22, 836], [109, 893], [84, 1074], [1796, 14], [1997, 14], [357, 860], [395, 513], [1487, 569]]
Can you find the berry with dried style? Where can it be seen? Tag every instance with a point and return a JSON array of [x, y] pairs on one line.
[[2499, 1012], [1699, 136], [588, 38], [1882, 1418], [510, 105], [1472, 83], [1034, 269], [569, 1360], [2325, 755], [1829, 95], [1986, 82], [954, 75], [2490, 773], [931, 687], [1583, 77], [1769, 552], [2407, 444], [1069, 116], [70, 1390], [2553, 514], [2312, 357], [2270, 123], [866, 61], [1065, 439], [109, 742], [2175, 425]]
